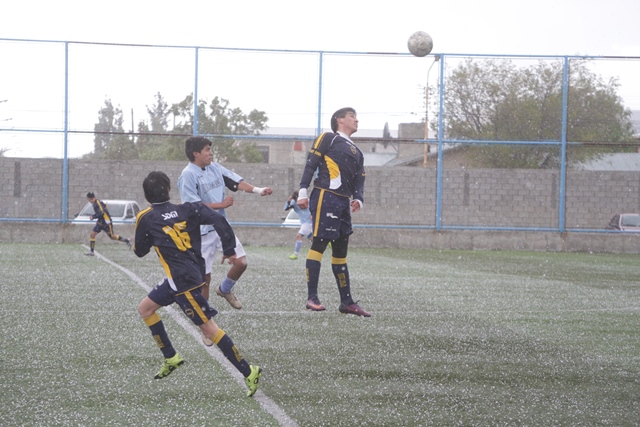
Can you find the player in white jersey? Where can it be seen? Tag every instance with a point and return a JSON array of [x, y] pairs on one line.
[[204, 180]]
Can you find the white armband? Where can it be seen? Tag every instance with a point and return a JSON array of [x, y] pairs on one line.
[[258, 190], [302, 194]]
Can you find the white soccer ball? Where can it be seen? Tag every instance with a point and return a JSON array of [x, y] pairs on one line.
[[420, 44]]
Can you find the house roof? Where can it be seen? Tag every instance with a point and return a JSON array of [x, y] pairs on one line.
[[613, 162], [635, 122]]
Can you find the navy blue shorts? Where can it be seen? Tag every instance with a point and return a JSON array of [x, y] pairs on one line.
[[331, 214], [192, 303], [103, 226]]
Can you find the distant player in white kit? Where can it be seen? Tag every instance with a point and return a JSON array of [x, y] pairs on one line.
[[306, 229]]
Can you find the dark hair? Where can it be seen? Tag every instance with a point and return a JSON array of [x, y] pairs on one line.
[[90, 195], [294, 196], [340, 114], [156, 187], [195, 144]]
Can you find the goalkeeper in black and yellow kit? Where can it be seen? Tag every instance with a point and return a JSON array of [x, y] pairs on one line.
[[174, 232], [103, 223], [338, 190]]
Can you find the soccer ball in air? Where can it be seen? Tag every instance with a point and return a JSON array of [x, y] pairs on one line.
[[420, 44]]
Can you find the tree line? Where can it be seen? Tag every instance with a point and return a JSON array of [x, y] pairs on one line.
[[494, 100], [161, 136], [486, 99]]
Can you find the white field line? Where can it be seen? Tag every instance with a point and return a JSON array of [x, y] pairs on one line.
[[393, 312], [267, 404]]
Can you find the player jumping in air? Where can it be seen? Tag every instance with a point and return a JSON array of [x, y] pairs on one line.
[[174, 232], [103, 223], [338, 190]]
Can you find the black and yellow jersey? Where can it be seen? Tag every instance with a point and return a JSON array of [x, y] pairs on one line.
[[101, 212], [174, 232], [339, 165]]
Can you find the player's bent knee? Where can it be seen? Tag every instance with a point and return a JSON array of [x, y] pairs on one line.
[[146, 307], [144, 311]]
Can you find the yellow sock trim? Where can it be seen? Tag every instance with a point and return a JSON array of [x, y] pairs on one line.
[[314, 255], [152, 320], [218, 336], [338, 260]]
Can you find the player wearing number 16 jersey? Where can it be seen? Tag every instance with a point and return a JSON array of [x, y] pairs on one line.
[[174, 232]]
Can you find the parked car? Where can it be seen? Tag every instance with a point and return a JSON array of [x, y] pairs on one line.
[[625, 222], [291, 220], [120, 211]]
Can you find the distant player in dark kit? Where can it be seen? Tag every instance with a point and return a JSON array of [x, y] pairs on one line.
[[174, 232], [103, 223], [339, 166]]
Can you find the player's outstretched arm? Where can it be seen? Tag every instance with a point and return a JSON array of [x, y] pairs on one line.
[[249, 188]]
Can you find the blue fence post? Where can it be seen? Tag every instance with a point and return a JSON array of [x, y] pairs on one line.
[[65, 155], [320, 66], [195, 94], [563, 146], [440, 164]]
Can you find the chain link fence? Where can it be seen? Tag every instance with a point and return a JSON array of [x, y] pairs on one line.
[[510, 142]]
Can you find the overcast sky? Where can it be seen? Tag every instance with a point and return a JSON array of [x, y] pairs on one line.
[[542, 27], [558, 27]]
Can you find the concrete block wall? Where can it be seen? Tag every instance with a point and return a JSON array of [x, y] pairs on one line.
[[497, 197], [597, 194], [29, 232], [32, 188]]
